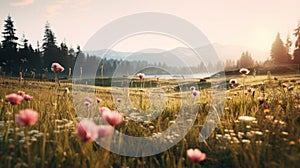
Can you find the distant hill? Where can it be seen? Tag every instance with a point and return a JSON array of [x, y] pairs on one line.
[[181, 54], [234, 52]]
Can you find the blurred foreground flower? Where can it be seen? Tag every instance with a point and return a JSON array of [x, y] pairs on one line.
[[28, 97], [14, 98], [103, 109], [21, 93], [195, 155], [27, 117], [112, 117], [87, 131], [104, 130]]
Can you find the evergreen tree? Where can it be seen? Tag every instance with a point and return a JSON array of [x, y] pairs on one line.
[[29, 58], [297, 45], [9, 57], [9, 35], [24, 53], [246, 60], [50, 50], [279, 52], [49, 38], [288, 45]]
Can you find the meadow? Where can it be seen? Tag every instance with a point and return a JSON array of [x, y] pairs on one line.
[[259, 126]]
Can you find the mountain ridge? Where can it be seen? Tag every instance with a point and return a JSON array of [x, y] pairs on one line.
[[224, 52]]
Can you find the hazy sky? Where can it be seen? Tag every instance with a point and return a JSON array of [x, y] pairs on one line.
[[252, 23]]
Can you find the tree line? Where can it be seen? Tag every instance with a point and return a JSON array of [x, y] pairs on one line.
[[18, 55], [281, 53]]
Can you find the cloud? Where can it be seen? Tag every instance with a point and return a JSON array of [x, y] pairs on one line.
[[63, 1], [53, 10], [59, 5], [22, 3]]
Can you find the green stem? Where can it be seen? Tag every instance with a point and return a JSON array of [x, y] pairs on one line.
[[44, 147], [244, 106], [193, 165], [27, 146], [11, 111], [141, 100], [89, 112]]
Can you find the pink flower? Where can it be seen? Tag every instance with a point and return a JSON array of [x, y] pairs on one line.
[[233, 81], [28, 97], [14, 98], [250, 90], [140, 75], [104, 130], [98, 100], [119, 100], [103, 109], [244, 71], [261, 100], [88, 101], [56, 67], [284, 85], [112, 117], [241, 86], [27, 117], [195, 155], [21, 93], [87, 131], [195, 92]]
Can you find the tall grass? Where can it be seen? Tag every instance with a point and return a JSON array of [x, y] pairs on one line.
[[271, 140]]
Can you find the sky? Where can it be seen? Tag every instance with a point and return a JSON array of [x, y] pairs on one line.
[[252, 24]]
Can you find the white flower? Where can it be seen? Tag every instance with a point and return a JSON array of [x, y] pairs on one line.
[[244, 71], [246, 118]]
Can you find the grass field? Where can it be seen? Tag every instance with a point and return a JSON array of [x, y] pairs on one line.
[[270, 139]]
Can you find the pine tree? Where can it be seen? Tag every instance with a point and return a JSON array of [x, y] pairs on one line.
[[278, 51], [246, 60], [297, 44], [9, 56], [24, 53], [9, 35], [49, 38], [288, 45], [50, 49]]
